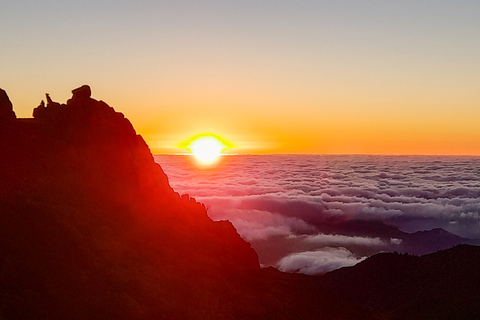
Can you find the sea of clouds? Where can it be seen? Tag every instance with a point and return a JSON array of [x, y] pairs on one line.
[[315, 213]]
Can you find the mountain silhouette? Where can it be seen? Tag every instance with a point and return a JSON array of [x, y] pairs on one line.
[[417, 243], [91, 229], [440, 285]]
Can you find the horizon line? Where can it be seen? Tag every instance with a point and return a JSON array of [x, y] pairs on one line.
[[326, 154]]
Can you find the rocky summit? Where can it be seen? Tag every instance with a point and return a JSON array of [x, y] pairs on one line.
[[90, 226]]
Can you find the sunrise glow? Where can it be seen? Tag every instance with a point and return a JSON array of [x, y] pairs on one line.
[[225, 159], [206, 148], [279, 78]]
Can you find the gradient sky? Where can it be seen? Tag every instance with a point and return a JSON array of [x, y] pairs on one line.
[[377, 77]]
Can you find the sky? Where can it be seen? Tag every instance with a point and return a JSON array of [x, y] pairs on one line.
[[307, 77]]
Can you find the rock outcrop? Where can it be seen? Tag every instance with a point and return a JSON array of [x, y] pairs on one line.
[[90, 222], [6, 107]]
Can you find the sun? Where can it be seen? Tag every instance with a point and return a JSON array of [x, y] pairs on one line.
[[206, 148]]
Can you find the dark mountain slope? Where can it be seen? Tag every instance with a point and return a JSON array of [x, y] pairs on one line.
[[91, 229], [90, 224], [441, 285]]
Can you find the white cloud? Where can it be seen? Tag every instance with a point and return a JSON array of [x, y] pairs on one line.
[[318, 261], [267, 196], [339, 240]]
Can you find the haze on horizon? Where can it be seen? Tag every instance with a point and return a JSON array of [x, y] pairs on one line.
[[371, 77]]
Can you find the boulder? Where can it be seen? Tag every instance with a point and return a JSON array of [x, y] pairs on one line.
[[82, 92]]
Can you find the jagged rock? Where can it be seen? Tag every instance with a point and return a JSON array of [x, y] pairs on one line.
[[40, 111], [81, 97], [6, 107], [82, 92], [92, 229], [52, 104], [90, 134], [53, 110]]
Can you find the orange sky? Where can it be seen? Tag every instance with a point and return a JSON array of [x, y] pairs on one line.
[[296, 77]]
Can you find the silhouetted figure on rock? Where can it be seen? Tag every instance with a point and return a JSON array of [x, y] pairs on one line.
[[6, 107]]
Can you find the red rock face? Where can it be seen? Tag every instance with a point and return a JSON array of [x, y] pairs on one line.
[[76, 179]]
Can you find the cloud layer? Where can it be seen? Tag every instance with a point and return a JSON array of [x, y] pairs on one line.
[[326, 212]]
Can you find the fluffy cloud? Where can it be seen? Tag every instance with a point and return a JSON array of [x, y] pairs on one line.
[[322, 198], [342, 240], [318, 261]]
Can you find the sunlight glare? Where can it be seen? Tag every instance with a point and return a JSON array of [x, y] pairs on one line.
[[206, 148]]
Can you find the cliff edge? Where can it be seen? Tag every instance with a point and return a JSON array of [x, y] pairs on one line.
[[91, 227]]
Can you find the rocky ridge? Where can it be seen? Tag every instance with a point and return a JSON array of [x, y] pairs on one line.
[[78, 181]]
